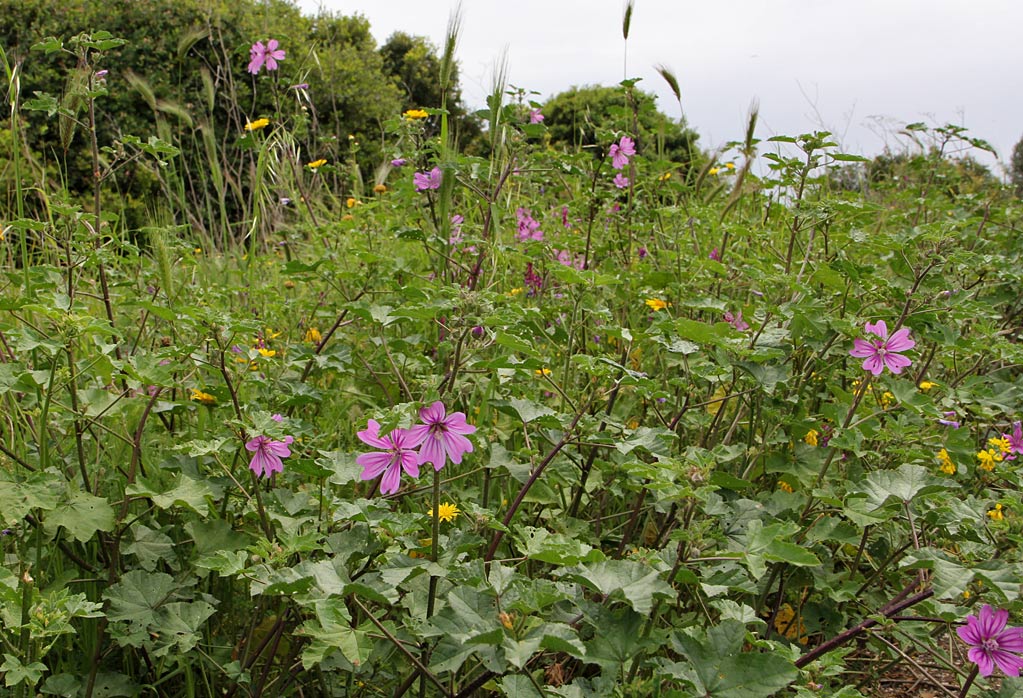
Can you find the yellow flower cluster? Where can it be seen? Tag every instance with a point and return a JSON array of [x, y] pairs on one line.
[[996, 513], [257, 124], [998, 448], [784, 486], [657, 304], [811, 437], [945, 463], [927, 385], [313, 336]]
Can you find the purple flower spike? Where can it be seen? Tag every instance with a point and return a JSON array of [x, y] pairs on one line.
[[442, 435], [883, 351], [267, 454], [396, 454], [991, 642]]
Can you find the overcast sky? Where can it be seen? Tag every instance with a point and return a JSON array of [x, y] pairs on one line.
[[859, 68]]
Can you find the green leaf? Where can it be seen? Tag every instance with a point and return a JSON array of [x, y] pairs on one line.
[[331, 629], [903, 484], [185, 492], [15, 672], [555, 548], [82, 514], [19, 498], [722, 670], [636, 581]]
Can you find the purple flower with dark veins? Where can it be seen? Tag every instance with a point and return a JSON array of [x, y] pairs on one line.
[[991, 642]]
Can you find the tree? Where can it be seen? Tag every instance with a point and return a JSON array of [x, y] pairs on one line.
[[1016, 168], [415, 65], [574, 116]]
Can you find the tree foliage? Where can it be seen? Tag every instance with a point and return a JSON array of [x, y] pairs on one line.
[[573, 118]]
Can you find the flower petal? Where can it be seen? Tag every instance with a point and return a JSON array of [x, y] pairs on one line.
[[879, 328], [970, 633], [896, 362], [862, 349], [432, 451], [979, 657], [391, 480], [373, 464], [456, 445], [874, 364], [371, 435], [1009, 663], [900, 341]]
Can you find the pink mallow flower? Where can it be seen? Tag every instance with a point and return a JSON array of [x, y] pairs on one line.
[[1015, 438], [991, 642], [267, 454], [428, 180], [442, 435], [621, 181], [736, 320], [397, 453], [267, 55], [535, 117], [621, 151], [883, 351]]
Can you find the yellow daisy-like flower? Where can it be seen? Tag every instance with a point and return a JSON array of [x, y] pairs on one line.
[[379, 188], [713, 171], [257, 124], [927, 385], [515, 292], [446, 512], [946, 464], [811, 437], [664, 177], [784, 486], [656, 304], [313, 336], [886, 400], [413, 114], [266, 353], [987, 460], [729, 166], [204, 398], [352, 202], [316, 164], [542, 371], [996, 513]]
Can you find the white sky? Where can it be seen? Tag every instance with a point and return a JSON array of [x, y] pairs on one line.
[[859, 68]]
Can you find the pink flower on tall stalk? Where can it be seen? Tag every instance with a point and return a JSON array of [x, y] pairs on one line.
[[991, 642], [883, 351], [267, 55], [535, 117], [621, 151], [397, 453], [442, 435], [621, 181], [428, 180], [267, 454]]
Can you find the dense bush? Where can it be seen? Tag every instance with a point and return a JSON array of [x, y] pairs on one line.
[[534, 423]]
